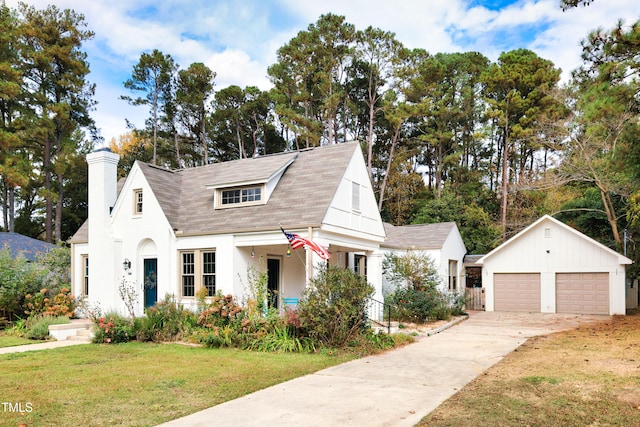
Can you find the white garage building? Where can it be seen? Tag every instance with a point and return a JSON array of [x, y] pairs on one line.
[[549, 267]]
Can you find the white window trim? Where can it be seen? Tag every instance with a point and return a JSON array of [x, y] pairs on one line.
[[355, 196], [219, 191], [84, 291], [198, 270], [138, 192]]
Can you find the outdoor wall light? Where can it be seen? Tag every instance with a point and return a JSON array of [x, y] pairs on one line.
[[288, 253], [253, 253], [126, 264]]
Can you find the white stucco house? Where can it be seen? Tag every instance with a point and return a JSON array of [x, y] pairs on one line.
[[550, 267], [441, 242], [176, 232]]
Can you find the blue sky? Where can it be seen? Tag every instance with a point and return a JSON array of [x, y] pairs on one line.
[[238, 39]]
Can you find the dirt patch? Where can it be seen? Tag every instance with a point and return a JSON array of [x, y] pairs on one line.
[[586, 375], [428, 328]]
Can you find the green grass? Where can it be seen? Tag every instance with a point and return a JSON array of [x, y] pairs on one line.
[[138, 384], [583, 377], [11, 341]]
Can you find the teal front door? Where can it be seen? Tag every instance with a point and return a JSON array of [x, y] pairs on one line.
[[150, 282]]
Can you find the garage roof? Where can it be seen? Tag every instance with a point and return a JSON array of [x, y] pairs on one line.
[[547, 218]]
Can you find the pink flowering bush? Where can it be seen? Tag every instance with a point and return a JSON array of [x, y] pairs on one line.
[[113, 329]]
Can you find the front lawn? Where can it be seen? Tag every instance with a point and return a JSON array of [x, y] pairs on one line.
[[138, 384], [589, 376], [11, 341]]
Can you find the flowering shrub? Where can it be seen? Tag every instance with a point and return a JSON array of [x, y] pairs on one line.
[[50, 303], [113, 329], [222, 311]]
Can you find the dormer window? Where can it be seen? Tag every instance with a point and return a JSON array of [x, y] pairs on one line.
[[137, 202], [231, 197]]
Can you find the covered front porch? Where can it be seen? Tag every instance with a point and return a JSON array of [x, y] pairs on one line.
[[289, 271]]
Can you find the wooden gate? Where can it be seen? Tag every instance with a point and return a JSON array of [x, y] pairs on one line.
[[474, 298]]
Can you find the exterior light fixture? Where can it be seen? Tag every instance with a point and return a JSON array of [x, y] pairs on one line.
[[253, 253], [288, 253], [126, 264]]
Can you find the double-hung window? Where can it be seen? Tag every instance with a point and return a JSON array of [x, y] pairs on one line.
[[85, 275], [453, 275], [137, 202], [197, 272]]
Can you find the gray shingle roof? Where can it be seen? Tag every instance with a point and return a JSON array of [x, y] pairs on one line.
[[21, 245], [419, 236], [301, 198]]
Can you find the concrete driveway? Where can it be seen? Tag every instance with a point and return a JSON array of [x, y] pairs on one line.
[[397, 388]]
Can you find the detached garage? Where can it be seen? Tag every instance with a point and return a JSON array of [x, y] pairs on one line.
[[549, 267]]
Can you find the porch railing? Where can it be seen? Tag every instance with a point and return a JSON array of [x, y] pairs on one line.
[[379, 312]]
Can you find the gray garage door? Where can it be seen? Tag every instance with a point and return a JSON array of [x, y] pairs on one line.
[[517, 292], [583, 293]]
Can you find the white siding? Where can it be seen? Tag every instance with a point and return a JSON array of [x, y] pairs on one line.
[[364, 223], [549, 247]]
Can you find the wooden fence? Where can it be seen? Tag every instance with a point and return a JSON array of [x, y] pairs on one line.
[[474, 298]]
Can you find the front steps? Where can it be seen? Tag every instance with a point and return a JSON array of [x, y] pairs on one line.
[[378, 327], [77, 330]]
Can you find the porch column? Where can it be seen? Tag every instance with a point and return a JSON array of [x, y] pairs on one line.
[[374, 273]]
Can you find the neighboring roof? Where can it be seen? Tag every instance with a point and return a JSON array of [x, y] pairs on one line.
[[25, 246], [301, 198], [82, 235], [419, 236], [621, 258], [470, 260]]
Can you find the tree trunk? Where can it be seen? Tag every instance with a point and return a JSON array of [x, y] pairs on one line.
[[58, 225], [5, 204], [203, 133], [386, 174], [505, 179], [46, 165]]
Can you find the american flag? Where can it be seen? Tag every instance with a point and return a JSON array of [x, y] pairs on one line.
[[297, 242]]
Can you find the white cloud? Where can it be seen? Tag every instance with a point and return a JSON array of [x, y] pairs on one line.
[[239, 38], [234, 67]]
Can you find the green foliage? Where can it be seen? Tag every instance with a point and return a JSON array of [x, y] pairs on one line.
[[416, 305], [225, 336], [165, 321], [18, 278], [332, 309], [412, 270], [57, 263], [152, 79], [18, 329], [479, 232], [37, 327], [416, 297], [283, 339], [113, 328], [258, 292]]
